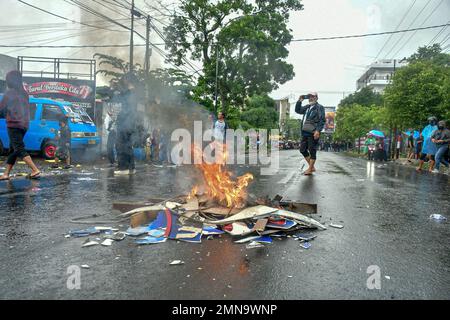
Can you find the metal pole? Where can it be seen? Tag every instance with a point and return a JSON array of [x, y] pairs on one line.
[[217, 79], [131, 37], [147, 47]]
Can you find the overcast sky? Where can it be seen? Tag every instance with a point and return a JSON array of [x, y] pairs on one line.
[[329, 67]]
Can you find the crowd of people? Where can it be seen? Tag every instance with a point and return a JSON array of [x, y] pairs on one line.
[[434, 141]]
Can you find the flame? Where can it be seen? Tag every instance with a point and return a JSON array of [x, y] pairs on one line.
[[220, 185], [193, 193]]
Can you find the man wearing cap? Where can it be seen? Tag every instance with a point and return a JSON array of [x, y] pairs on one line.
[[313, 123]]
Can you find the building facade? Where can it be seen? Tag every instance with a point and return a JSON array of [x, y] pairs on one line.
[[283, 107], [379, 74]]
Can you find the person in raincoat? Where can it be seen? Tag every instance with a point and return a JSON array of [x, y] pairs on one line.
[[428, 147]]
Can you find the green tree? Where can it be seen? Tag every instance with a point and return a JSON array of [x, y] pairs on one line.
[[432, 54], [292, 129], [251, 39], [418, 91], [364, 97], [260, 112], [355, 121]]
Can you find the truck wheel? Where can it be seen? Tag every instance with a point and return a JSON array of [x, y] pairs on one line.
[[49, 150]]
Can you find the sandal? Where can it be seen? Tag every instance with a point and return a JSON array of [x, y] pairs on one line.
[[34, 176], [4, 178]]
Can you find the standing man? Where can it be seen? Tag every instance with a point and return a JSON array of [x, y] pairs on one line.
[[313, 123], [112, 134], [126, 126], [411, 146], [220, 128], [441, 137]]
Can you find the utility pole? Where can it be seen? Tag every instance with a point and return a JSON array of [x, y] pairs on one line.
[[147, 59], [217, 78], [131, 37], [147, 48]]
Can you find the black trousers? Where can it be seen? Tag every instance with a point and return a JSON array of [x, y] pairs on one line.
[[308, 147], [16, 145], [125, 154], [110, 145]]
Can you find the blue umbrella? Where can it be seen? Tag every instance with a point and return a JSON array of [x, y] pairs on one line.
[[377, 133]]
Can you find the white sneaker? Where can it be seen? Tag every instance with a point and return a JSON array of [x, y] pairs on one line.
[[121, 172], [435, 171], [132, 171]]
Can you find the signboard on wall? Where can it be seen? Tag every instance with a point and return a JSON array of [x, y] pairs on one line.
[[330, 114], [80, 93]]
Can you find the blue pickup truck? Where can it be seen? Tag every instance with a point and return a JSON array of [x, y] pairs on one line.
[[44, 115]]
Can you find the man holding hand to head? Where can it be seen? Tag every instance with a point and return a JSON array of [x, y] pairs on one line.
[[313, 123]]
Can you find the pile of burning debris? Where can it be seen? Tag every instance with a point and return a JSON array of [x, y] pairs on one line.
[[219, 205], [189, 218]]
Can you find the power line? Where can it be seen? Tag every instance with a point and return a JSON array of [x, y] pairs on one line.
[[412, 35], [162, 44], [403, 35], [371, 34], [61, 17], [437, 35], [396, 28]]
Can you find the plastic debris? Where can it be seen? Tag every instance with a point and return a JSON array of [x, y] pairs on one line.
[[135, 232], [157, 233], [263, 239], [305, 245], [438, 217], [176, 262], [89, 243], [84, 232], [253, 245], [87, 179], [211, 231], [150, 240], [305, 236], [85, 266], [337, 226]]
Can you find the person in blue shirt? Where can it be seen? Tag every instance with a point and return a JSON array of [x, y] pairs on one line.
[[428, 147]]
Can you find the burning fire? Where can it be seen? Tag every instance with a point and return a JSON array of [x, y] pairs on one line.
[[220, 185]]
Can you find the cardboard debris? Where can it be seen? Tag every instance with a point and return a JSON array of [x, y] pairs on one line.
[[260, 225], [107, 242], [188, 220], [237, 229], [257, 212]]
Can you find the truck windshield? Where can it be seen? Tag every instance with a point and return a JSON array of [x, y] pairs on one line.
[[79, 114]]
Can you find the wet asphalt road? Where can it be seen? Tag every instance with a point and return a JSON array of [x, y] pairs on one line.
[[384, 209]]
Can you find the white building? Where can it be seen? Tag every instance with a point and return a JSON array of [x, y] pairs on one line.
[[379, 74], [283, 107]]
